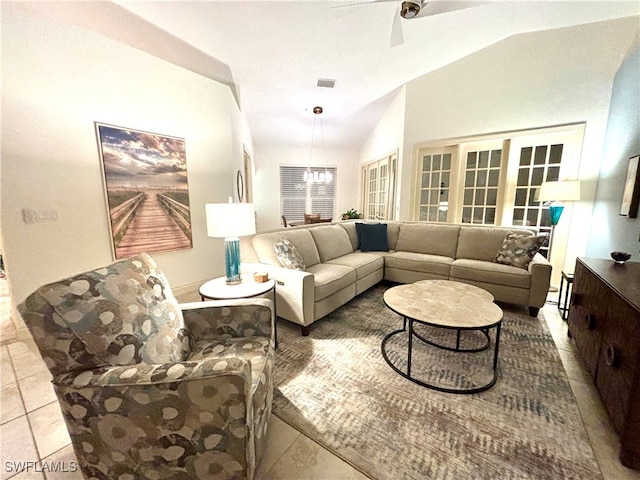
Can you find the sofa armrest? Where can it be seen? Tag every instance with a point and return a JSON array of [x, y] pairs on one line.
[[295, 291], [540, 270], [216, 319]]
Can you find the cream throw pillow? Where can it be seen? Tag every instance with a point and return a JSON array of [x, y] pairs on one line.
[[518, 250], [288, 255]]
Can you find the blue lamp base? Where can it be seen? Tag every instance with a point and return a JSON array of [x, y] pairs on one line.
[[554, 212], [232, 260]]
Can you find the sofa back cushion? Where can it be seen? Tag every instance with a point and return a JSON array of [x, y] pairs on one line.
[[431, 238], [350, 228], [483, 243], [301, 238], [332, 241], [393, 231]]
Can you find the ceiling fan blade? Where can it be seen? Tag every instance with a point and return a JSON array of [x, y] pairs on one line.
[[437, 7], [341, 11], [397, 37]]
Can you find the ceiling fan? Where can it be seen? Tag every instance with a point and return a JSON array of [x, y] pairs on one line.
[[410, 9]]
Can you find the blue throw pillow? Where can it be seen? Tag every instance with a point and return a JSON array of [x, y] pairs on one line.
[[372, 237]]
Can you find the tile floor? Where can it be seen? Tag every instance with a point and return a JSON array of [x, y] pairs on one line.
[[32, 428]]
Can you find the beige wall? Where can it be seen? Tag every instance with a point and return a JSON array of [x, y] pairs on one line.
[[267, 178], [57, 79]]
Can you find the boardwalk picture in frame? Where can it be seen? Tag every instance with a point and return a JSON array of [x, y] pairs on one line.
[[147, 191]]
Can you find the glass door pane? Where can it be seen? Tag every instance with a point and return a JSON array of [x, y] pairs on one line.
[[435, 187]]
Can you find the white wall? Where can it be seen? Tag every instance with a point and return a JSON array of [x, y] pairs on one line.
[[57, 80], [609, 230], [387, 137], [266, 189], [527, 81]]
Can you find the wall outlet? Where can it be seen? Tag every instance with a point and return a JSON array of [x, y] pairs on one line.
[[30, 215]]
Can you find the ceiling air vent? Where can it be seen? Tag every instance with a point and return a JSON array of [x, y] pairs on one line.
[[326, 83]]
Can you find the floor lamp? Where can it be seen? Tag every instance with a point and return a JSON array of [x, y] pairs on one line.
[[230, 221], [556, 192]]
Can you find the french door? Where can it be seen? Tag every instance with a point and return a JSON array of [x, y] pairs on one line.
[[379, 188]]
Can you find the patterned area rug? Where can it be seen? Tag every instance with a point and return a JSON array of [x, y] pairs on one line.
[[335, 387]]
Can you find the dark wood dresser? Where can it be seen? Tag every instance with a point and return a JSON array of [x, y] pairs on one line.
[[604, 321]]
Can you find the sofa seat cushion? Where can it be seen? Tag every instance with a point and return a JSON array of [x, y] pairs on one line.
[[490, 272], [364, 263], [253, 349], [331, 241], [329, 278], [419, 262]]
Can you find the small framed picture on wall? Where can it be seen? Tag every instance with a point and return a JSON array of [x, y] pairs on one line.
[[631, 195]]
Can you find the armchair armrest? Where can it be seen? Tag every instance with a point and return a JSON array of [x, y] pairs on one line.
[[145, 375], [214, 319], [187, 417]]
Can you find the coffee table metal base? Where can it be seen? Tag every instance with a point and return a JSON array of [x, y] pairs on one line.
[[412, 333]]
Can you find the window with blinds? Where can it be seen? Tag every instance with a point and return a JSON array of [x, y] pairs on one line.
[[307, 190]]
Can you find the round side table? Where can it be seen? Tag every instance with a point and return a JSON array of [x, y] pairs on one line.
[[218, 289]]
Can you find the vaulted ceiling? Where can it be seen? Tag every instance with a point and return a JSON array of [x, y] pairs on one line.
[[272, 53]]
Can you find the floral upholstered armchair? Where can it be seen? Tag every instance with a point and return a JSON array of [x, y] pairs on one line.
[[149, 388]]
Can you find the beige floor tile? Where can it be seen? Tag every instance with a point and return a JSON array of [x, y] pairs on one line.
[[37, 390], [11, 405], [6, 368], [604, 440], [26, 359], [49, 429], [32, 473], [279, 438], [62, 465], [17, 447], [306, 459]]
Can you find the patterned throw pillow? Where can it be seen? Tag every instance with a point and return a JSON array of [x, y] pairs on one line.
[[518, 250], [288, 255]]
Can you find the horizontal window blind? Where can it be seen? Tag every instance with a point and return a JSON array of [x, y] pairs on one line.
[[298, 195]]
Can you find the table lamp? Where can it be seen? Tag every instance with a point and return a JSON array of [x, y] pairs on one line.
[[556, 192], [230, 221]]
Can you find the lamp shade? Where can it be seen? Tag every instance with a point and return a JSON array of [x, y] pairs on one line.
[[561, 191], [230, 219]]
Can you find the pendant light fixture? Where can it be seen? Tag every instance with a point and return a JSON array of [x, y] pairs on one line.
[[310, 175]]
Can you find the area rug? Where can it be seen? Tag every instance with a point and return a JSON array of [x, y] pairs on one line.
[[335, 387]]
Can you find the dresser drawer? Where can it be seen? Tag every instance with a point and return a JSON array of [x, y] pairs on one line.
[[618, 361], [587, 316]]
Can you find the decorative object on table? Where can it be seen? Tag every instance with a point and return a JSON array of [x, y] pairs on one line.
[[134, 373], [620, 257], [438, 435], [557, 192], [145, 176], [261, 277], [312, 218], [230, 221], [352, 213], [631, 195]]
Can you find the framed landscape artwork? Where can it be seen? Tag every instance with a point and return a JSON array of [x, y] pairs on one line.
[[631, 195], [147, 191]]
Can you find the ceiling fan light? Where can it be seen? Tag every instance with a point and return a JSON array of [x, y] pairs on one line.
[[409, 9]]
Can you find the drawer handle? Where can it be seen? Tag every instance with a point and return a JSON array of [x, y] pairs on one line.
[[589, 322], [610, 355], [575, 299]]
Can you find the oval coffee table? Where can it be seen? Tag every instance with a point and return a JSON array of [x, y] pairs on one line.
[[448, 305]]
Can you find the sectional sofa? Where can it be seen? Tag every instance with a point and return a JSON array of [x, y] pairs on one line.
[[342, 260]]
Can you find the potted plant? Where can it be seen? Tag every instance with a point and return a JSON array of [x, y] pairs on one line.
[[352, 213]]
